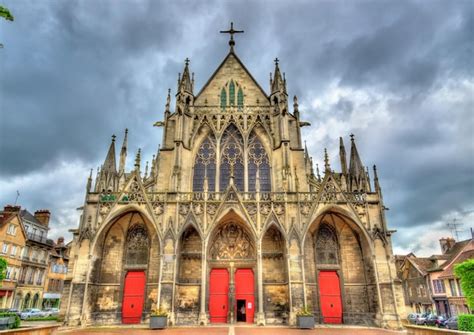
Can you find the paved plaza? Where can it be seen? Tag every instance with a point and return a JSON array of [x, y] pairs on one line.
[[233, 330]]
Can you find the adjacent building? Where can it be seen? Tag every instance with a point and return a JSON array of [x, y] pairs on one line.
[[12, 243], [231, 222], [57, 269], [429, 283]]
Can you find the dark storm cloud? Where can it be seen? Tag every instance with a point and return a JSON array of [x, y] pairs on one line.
[[397, 74]]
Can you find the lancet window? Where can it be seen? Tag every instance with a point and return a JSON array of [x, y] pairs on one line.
[[230, 93], [232, 158], [205, 166], [326, 246], [258, 165], [137, 246]]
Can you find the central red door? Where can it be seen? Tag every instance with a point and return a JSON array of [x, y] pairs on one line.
[[133, 297], [244, 290], [330, 295], [218, 295]]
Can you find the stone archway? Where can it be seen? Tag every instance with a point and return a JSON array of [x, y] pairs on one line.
[[232, 270], [335, 246], [128, 254]]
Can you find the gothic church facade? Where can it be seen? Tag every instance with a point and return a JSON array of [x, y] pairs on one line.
[[231, 223]]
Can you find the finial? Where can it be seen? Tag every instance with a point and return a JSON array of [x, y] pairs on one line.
[[352, 137], [90, 175], [231, 32], [327, 167], [186, 61], [276, 61], [295, 100], [146, 169], [137, 159], [317, 172], [113, 138]]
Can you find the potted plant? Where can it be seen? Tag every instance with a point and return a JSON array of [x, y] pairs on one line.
[[158, 318], [305, 319]]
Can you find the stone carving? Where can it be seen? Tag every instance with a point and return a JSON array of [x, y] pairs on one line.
[[251, 209], [305, 208], [265, 209], [232, 242], [279, 209], [157, 208], [197, 209], [105, 208], [211, 209], [135, 193], [184, 209]]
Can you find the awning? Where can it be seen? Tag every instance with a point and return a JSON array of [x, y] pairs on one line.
[[51, 295]]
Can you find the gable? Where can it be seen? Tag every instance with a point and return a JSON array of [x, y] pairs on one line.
[[231, 69]]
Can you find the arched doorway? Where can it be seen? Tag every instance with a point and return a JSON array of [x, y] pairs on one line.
[[125, 280], [275, 277], [26, 302], [34, 303], [232, 269], [340, 278], [188, 283]]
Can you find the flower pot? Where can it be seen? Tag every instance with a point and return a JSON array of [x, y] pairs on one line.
[[158, 322], [305, 322]]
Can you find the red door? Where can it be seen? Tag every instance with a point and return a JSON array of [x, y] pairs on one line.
[[330, 295], [218, 295], [244, 290], [133, 297]]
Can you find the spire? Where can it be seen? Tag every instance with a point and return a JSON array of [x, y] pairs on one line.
[[123, 153], [168, 102], [89, 182], [185, 82], [296, 112], [317, 172], [109, 163], [137, 160], [97, 180], [146, 169], [342, 156], [327, 167], [376, 181], [357, 174], [277, 82]]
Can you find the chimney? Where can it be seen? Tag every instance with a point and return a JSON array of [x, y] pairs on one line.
[[12, 209], [60, 242], [43, 215], [446, 244]]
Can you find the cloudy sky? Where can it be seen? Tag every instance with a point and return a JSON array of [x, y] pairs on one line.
[[397, 74]]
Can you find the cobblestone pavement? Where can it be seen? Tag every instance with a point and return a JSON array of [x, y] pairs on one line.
[[233, 330]]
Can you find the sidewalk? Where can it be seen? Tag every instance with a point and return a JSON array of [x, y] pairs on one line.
[[233, 330]]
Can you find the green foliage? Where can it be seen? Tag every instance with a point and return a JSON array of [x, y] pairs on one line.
[[5, 13], [305, 312], [16, 324], [465, 272], [466, 322], [3, 269], [159, 312], [43, 318]]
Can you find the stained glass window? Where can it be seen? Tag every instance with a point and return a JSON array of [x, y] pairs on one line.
[[240, 98], [258, 163], [232, 158], [137, 246], [232, 93], [223, 98], [205, 165], [326, 246]]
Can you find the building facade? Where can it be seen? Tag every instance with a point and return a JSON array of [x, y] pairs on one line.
[[231, 223], [56, 274], [12, 242]]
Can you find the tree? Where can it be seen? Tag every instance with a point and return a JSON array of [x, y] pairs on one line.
[[5, 13], [465, 272], [3, 269]]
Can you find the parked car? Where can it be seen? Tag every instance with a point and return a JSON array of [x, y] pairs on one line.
[[31, 313], [50, 312], [452, 323], [435, 320], [412, 317], [422, 318], [14, 310]]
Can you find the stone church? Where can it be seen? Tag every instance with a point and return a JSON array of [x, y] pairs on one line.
[[231, 223]]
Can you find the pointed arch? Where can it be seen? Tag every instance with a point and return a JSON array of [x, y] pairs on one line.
[[240, 98], [326, 245], [231, 93], [231, 158], [223, 98], [205, 165], [137, 245]]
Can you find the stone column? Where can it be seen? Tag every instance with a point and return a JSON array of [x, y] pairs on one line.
[[230, 313], [260, 313], [202, 313]]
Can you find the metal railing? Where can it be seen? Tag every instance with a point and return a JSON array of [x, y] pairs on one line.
[[40, 239]]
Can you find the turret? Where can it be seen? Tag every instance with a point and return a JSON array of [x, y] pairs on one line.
[[184, 96], [108, 172], [278, 96]]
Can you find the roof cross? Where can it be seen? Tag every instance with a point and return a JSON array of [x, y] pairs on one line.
[[276, 61], [186, 61], [231, 31]]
